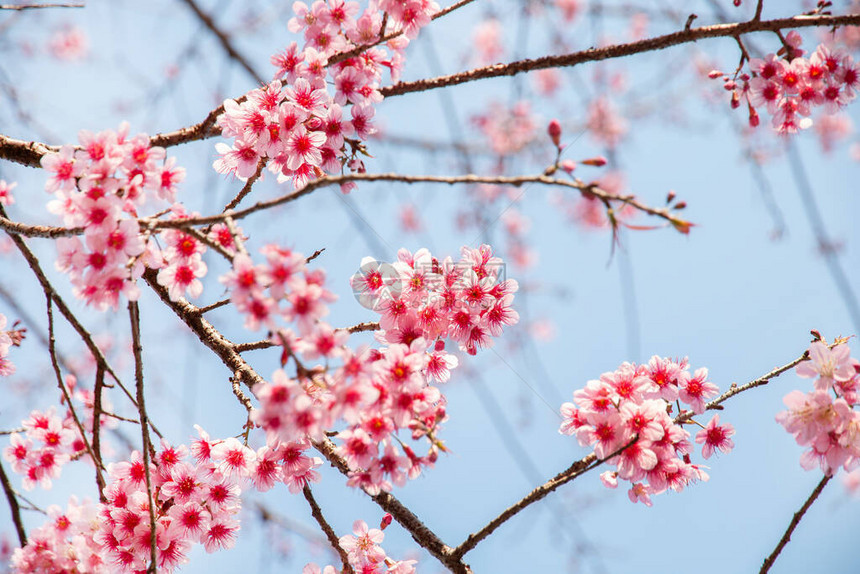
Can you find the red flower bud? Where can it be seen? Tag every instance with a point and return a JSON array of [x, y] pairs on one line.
[[598, 161], [554, 131]]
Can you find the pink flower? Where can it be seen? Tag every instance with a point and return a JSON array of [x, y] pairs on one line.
[[715, 437], [183, 276], [696, 390], [6, 192], [828, 365], [362, 548], [233, 459]]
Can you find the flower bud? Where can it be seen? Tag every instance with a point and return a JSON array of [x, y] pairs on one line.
[[568, 165], [598, 161], [554, 131], [386, 520], [736, 100]]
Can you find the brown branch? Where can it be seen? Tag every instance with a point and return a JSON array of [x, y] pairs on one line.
[[64, 309], [205, 331], [14, 507], [316, 512], [246, 189], [229, 355], [97, 415], [52, 351], [795, 520], [425, 537], [586, 189], [620, 50], [19, 7], [224, 40], [213, 306], [589, 462], [29, 153], [736, 390], [137, 349], [575, 470], [267, 343]]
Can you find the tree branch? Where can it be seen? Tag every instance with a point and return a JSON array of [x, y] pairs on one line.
[[316, 512], [19, 7], [29, 153], [64, 309], [137, 349], [586, 189], [620, 50], [224, 40], [795, 520], [14, 507]]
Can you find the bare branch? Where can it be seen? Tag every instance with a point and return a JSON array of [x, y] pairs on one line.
[[224, 40], [586, 189], [316, 512], [795, 520], [620, 50], [137, 349], [20, 7], [65, 392], [14, 507], [64, 309]]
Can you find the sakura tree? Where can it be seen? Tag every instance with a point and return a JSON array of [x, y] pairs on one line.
[[402, 287]]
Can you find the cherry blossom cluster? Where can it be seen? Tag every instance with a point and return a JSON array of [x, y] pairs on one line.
[[196, 499], [468, 301], [365, 553], [49, 441], [65, 543], [376, 392], [630, 410], [296, 124], [46, 445], [824, 419], [793, 87], [100, 188]]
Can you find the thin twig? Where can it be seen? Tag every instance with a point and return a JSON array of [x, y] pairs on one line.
[[224, 40], [575, 470], [19, 7], [65, 392], [759, 6], [14, 508], [316, 512], [137, 349], [586, 189], [64, 309], [425, 537], [246, 189], [213, 306], [591, 190], [795, 520], [97, 415]]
